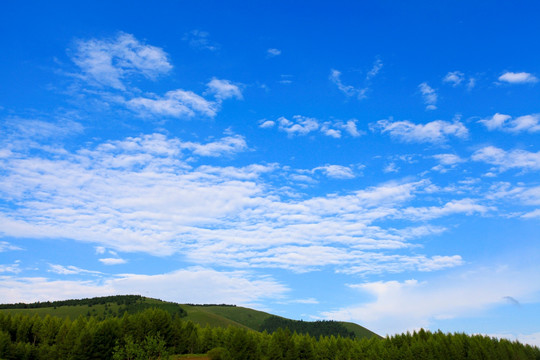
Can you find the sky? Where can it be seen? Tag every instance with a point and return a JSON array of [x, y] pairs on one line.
[[373, 162]]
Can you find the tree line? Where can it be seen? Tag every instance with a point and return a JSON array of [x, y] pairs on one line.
[[313, 328], [115, 299], [155, 334]]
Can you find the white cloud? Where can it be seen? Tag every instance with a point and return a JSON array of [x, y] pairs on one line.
[[70, 270], [225, 146], [5, 246], [273, 52], [109, 62], [200, 40], [349, 90], [266, 124], [430, 96], [192, 285], [336, 171], [505, 160], [377, 66], [531, 339], [299, 125], [13, 268], [147, 194], [518, 78], [224, 89], [350, 127], [112, 261], [436, 131], [529, 123], [465, 206], [402, 306], [532, 214], [176, 103], [454, 77], [447, 161], [303, 125], [335, 77]]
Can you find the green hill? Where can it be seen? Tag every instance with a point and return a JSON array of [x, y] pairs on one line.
[[211, 315]]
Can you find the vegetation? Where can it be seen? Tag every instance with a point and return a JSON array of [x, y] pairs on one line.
[[317, 328], [155, 333]]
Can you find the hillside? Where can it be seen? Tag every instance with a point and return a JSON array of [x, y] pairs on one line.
[[203, 315]]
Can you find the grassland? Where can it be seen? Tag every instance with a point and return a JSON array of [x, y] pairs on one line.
[[211, 315]]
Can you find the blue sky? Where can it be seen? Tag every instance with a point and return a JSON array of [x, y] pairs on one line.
[[369, 162]]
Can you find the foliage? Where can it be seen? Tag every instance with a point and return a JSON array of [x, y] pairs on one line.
[[316, 328], [155, 333]]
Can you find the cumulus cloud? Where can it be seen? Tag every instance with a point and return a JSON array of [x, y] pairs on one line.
[[528, 123], [430, 96], [302, 125], [110, 62], [518, 78], [436, 131], [224, 89], [505, 160], [409, 305], [299, 125], [454, 78]]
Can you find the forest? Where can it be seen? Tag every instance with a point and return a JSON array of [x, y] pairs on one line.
[[157, 334]]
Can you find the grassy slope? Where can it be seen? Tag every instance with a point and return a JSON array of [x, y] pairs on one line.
[[215, 316], [250, 318]]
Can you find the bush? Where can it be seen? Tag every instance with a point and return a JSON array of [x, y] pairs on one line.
[[219, 353]]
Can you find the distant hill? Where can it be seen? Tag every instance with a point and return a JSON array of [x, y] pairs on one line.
[[218, 315]]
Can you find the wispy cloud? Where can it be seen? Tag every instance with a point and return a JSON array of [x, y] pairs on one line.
[[228, 145], [351, 91], [200, 40], [176, 103], [430, 96], [457, 78], [5, 246], [528, 123], [447, 161], [518, 78], [191, 285], [273, 52], [112, 261], [436, 132], [70, 270], [505, 160], [110, 62]]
